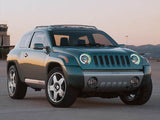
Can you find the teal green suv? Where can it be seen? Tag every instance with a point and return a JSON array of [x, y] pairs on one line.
[[71, 61]]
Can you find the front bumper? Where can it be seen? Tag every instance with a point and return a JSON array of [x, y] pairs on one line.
[[108, 81], [111, 81]]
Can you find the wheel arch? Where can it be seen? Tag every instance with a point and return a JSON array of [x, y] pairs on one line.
[[73, 74], [52, 65], [9, 64]]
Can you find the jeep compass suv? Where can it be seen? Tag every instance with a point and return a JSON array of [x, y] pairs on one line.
[[71, 61]]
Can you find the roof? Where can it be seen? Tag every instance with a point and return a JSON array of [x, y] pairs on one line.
[[62, 27], [3, 27]]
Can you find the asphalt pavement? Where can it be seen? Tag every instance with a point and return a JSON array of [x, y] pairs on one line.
[[36, 107]]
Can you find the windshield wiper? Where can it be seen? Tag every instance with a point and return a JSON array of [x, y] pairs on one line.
[[95, 44], [111, 46]]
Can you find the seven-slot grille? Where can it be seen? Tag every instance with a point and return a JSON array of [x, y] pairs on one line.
[[111, 60]]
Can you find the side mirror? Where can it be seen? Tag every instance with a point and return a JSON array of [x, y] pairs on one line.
[[48, 49], [121, 45], [38, 46]]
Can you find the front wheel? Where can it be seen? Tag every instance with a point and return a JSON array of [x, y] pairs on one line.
[[140, 96], [58, 93]]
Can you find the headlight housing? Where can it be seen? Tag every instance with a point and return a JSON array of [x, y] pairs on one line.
[[147, 61], [85, 58], [135, 59]]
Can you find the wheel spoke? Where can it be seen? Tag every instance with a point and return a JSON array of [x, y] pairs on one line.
[[51, 88], [13, 75], [132, 95], [11, 87], [61, 81], [14, 84], [61, 92], [9, 84], [55, 96], [54, 79]]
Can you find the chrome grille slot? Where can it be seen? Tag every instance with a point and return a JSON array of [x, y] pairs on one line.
[[127, 59], [101, 60], [112, 60], [95, 60], [122, 60], [117, 60], [107, 60]]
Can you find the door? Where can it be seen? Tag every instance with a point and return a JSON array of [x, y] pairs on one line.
[[34, 67]]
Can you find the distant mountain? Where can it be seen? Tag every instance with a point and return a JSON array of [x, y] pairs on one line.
[[147, 50]]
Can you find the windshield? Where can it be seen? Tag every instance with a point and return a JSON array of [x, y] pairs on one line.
[[82, 38]]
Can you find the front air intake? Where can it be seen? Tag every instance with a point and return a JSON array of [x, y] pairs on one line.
[[111, 60]]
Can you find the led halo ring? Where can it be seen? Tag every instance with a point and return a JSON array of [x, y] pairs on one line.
[[135, 61], [86, 55]]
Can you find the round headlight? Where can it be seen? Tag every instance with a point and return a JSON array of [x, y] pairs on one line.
[[135, 59], [85, 58]]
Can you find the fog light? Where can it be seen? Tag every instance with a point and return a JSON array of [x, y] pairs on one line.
[[134, 81], [92, 82]]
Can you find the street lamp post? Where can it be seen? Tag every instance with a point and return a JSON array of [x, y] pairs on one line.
[[126, 39]]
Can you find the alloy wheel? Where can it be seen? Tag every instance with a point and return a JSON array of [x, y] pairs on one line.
[[56, 87], [12, 82]]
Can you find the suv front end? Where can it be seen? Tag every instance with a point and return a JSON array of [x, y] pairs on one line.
[[71, 61]]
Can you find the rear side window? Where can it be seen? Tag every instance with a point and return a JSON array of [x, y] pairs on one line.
[[39, 37], [25, 40]]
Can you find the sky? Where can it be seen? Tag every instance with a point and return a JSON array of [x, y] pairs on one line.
[[137, 19]]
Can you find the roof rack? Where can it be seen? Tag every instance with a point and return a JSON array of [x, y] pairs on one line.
[[66, 26], [41, 27]]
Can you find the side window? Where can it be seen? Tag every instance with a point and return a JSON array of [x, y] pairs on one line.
[[25, 40], [39, 37]]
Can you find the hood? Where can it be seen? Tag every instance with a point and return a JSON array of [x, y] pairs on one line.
[[102, 57]]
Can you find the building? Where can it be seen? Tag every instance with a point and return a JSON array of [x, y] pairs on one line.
[[4, 42], [4, 38]]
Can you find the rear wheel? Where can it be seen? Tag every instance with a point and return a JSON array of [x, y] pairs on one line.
[[140, 96], [16, 89], [58, 93]]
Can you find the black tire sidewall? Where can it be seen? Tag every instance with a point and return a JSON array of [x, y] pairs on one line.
[[143, 94]]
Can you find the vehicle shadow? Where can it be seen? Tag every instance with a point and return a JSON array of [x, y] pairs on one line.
[[97, 103], [79, 103]]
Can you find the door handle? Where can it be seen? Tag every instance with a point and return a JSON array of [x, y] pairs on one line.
[[25, 55]]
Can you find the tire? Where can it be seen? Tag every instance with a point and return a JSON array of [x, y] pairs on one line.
[[140, 96], [16, 89], [58, 92]]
